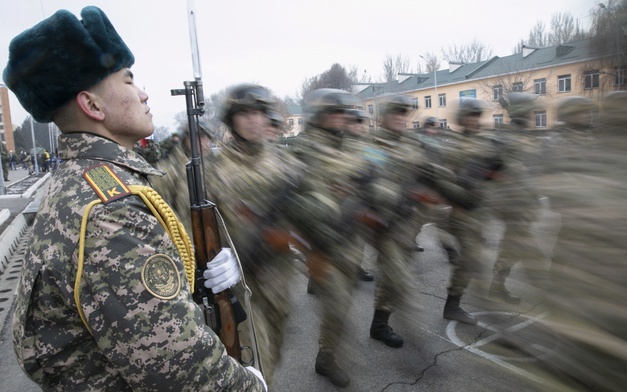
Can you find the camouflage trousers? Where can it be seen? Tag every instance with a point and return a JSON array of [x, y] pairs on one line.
[[393, 273], [516, 245], [467, 227], [271, 304]]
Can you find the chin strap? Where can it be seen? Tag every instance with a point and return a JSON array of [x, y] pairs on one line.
[[164, 214]]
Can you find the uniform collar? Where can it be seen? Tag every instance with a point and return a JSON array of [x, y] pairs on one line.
[[83, 145]]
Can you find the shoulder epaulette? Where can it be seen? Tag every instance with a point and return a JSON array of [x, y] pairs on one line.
[[107, 185]]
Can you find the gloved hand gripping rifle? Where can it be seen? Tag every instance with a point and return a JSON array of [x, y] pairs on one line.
[[222, 311]]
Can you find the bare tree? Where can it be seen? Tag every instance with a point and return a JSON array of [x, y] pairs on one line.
[[392, 66], [432, 62], [564, 29], [471, 52], [335, 77]]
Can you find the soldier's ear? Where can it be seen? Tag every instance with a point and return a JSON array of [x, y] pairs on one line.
[[87, 102]]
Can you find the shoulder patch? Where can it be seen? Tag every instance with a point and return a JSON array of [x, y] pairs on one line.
[[161, 277], [106, 183]]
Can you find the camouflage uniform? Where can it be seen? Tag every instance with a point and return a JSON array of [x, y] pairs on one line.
[[474, 158], [396, 159], [325, 207], [251, 183], [137, 339], [5, 162], [512, 197], [585, 182]]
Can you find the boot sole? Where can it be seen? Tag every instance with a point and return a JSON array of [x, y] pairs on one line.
[[387, 343], [337, 383]]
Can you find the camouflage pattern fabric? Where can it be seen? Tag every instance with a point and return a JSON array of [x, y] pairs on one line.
[[472, 157], [395, 159], [251, 183], [325, 220], [585, 293], [139, 340]]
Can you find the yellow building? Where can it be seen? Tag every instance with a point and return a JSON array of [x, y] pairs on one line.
[[551, 73]]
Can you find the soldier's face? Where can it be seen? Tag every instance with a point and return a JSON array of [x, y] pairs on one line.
[[251, 124], [335, 120], [395, 121], [127, 116]]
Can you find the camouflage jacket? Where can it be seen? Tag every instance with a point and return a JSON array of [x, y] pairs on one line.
[[145, 331], [331, 183]]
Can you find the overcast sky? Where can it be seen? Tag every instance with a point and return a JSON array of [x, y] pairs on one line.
[[279, 43]]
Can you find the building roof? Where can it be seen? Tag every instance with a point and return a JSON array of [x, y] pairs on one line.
[[529, 59]]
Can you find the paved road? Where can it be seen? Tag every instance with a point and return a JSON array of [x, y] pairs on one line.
[[438, 355]]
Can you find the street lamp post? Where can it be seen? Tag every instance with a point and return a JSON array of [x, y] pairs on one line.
[[435, 85]]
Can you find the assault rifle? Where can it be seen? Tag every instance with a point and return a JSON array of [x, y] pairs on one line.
[[222, 311]]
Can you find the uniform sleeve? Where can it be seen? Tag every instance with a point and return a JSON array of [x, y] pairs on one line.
[[138, 306]]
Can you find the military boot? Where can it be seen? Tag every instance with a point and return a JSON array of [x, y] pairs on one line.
[[499, 291], [380, 330], [326, 366], [364, 275], [452, 311], [312, 287]]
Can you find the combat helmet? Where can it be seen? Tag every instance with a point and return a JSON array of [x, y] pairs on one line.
[[431, 122], [396, 104], [327, 100], [520, 107], [574, 111], [469, 107], [246, 96]]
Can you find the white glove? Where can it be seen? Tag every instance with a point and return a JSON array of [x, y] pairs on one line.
[[222, 272], [258, 374]]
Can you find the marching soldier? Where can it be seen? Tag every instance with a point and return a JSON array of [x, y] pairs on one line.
[[252, 181], [327, 201]]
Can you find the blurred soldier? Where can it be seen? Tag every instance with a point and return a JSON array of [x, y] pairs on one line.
[[152, 152], [252, 181], [173, 185], [511, 196], [168, 145], [356, 141], [104, 300], [475, 159], [275, 126], [325, 217], [394, 195], [585, 182]]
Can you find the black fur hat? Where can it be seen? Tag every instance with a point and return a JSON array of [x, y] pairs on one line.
[[61, 56]]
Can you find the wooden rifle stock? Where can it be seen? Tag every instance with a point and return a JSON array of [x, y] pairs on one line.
[[219, 313]]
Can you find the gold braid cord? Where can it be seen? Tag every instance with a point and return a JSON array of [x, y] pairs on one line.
[[164, 214], [162, 211]]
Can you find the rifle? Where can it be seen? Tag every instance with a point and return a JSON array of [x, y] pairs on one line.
[[222, 311]]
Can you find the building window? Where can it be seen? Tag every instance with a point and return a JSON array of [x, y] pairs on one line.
[[498, 92], [540, 86], [300, 121], [291, 121], [428, 102], [498, 120], [591, 79], [563, 83], [442, 98], [414, 103], [620, 76], [517, 87], [443, 124], [370, 109], [540, 119], [416, 124]]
